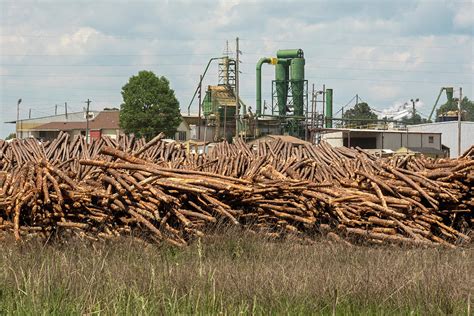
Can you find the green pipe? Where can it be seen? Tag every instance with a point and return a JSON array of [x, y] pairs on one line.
[[284, 116], [290, 53], [264, 60], [328, 108], [449, 95], [200, 82]]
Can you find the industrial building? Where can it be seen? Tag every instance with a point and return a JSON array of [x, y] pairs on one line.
[[101, 123], [384, 141], [449, 131], [225, 115]]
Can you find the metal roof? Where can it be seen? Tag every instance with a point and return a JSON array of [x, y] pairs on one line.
[[424, 150], [103, 120], [362, 130], [285, 138], [47, 116]]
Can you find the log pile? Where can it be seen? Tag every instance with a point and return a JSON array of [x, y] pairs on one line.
[[157, 191]]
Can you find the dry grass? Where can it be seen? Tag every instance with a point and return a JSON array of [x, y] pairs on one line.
[[231, 274]]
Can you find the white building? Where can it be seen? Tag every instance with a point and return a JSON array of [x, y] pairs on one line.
[[373, 140], [449, 131]]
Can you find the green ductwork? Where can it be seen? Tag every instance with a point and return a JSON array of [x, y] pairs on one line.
[[258, 105], [328, 108], [282, 74], [290, 53], [297, 85], [289, 68], [207, 104], [449, 94]]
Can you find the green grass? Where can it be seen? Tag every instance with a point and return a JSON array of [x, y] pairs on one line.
[[232, 274]]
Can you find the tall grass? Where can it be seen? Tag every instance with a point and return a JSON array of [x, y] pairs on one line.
[[231, 274]]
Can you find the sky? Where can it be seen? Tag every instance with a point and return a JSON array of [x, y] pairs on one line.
[[386, 52]]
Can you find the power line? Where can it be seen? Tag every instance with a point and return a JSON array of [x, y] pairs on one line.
[[140, 37], [390, 70], [345, 43], [386, 80], [41, 76], [244, 53], [373, 60], [342, 107], [89, 76], [200, 65], [108, 55], [97, 65]]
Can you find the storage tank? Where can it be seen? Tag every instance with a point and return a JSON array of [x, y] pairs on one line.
[[207, 103], [297, 85], [282, 74]]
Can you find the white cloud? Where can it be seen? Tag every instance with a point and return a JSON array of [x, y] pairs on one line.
[[385, 91], [464, 17], [400, 109], [223, 13], [76, 42]]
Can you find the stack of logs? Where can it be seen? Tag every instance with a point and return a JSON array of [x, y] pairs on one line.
[[158, 191]]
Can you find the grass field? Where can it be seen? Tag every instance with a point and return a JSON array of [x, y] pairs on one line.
[[231, 274]]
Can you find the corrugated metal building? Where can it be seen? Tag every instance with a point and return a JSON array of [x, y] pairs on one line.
[[382, 139], [449, 131]]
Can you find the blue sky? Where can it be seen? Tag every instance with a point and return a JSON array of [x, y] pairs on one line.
[[388, 52]]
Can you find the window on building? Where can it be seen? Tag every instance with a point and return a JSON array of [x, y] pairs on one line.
[[181, 136], [431, 139]]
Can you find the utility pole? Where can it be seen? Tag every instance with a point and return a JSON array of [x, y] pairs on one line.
[[315, 111], [342, 116], [65, 109], [459, 121], [199, 108], [306, 122], [237, 99], [87, 120], [18, 118], [225, 121], [312, 107], [324, 106], [413, 113]]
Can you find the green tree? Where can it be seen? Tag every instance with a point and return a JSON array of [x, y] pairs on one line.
[[149, 106], [414, 119], [360, 112], [11, 136], [467, 107]]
